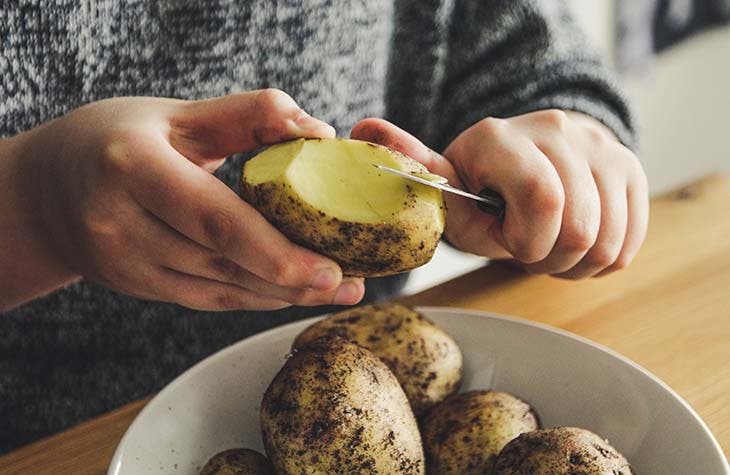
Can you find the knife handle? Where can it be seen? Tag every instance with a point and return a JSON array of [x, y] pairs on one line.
[[496, 204]]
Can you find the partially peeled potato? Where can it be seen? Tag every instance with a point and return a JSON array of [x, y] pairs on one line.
[[325, 194]]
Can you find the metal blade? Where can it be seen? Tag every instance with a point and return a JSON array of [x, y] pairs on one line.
[[434, 184]]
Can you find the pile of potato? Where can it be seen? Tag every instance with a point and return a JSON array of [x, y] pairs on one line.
[[374, 390]]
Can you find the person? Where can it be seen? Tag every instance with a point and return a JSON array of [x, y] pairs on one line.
[[126, 258]]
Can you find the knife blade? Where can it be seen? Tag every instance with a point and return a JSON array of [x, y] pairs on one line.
[[487, 200]]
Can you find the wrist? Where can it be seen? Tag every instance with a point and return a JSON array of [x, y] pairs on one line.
[[30, 267]]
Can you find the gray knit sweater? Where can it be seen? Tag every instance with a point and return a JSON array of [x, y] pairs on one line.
[[433, 67]]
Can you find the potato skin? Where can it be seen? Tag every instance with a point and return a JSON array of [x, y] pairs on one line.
[[238, 462], [400, 243], [426, 361], [561, 451], [464, 434], [336, 408]]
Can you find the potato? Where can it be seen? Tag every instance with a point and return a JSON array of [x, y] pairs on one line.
[[561, 451], [425, 359], [238, 462], [325, 194], [336, 408], [464, 434]]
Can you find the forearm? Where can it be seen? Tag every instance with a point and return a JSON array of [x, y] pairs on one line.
[[28, 268]]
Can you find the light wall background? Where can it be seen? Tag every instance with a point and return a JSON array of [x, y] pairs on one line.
[[682, 100], [682, 103]]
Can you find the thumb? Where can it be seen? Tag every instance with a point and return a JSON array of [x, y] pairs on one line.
[[384, 133], [215, 128]]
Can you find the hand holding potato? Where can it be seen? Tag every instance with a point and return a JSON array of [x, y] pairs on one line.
[[577, 200], [120, 192]]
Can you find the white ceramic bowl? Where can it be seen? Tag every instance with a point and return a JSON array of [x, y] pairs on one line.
[[568, 379]]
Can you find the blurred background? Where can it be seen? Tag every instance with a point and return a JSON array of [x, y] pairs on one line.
[[673, 60]]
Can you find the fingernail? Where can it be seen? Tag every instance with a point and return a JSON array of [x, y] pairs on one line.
[[347, 294], [325, 279], [307, 124]]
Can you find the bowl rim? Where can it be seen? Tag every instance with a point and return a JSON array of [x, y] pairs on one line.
[[116, 463]]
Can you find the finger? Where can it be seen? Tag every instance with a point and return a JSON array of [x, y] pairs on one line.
[[495, 155], [471, 230], [582, 212], [215, 128], [638, 221], [384, 133], [205, 294], [169, 249], [204, 209], [141, 279], [611, 232], [350, 291], [218, 268]]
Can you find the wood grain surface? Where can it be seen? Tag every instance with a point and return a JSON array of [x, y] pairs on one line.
[[669, 312]]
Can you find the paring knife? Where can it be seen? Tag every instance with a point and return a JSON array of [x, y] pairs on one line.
[[488, 200]]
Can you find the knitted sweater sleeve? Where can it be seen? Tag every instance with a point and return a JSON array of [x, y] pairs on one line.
[[508, 57]]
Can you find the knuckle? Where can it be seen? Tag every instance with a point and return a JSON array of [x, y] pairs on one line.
[[285, 272], [272, 99], [492, 126], [218, 230], [276, 108], [598, 137], [555, 119], [117, 155], [602, 257], [577, 238], [542, 196], [98, 224]]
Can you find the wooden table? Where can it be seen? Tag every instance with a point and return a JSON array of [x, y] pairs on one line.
[[669, 311]]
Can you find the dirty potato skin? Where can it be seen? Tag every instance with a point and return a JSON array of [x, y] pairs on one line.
[[362, 250], [426, 361], [402, 243], [336, 408], [464, 434], [561, 451], [238, 462]]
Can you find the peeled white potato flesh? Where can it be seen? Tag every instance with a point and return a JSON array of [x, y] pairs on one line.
[[325, 194]]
